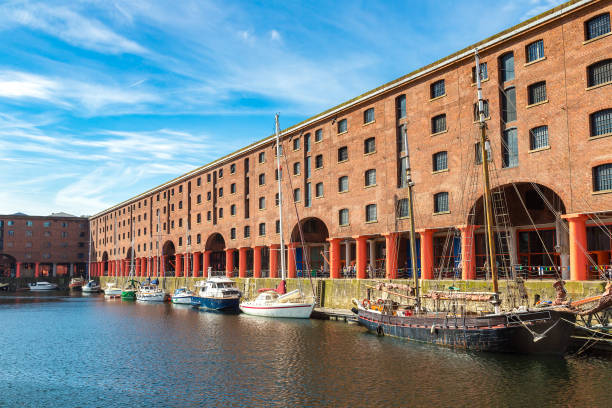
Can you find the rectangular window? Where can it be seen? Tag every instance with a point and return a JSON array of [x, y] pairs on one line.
[[535, 51], [536, 92], [483, 72], [307, 142], [342, 154], [538, 137], [368, 115], [296, 168], [262, 157], [600, 73], [342, 126], [508, 99], [232, 168], [597, 26], [371, 215], [296, 143], [343, 184], [233, 188], [440, 161], [506, 67], [307, 195], [602, 177], [343, 216], [403, 208], [437, 89], [220, 173], [220, 191], [307, 167], [370, 177], [262, 229], [262, 203], [198, 183], [438, 124], [319, 161], [319, 190], [247, 231], [441, 202], [318, 135], [277, 226], [297, 195], [403, 177], [601, 123], [233, 233], [509, 148], [369, 145], [29, 223], [402, 138], [262, 179], [400, 107], [485, 110]]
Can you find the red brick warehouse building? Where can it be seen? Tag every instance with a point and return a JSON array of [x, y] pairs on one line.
[[548, 112], [33, 246]]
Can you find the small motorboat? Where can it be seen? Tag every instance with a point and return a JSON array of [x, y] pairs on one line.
[[76, 283], [42, 286], [91, 287], [129, 290], [217, 294], [150, 293], [182, 296], [112, 290], [271, 304]]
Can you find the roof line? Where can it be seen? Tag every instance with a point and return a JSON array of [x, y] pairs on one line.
[[423, 71]]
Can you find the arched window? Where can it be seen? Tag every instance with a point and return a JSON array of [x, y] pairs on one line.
[[343, 184], [369, 145], [371, 213], [601, 122], [600, 73], [538, 138], [597, 26], [602, 177], [440, 161], [370, 177]]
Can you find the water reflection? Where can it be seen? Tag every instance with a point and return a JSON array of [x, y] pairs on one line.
[[75, 350]]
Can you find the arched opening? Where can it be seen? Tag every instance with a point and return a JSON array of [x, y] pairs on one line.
[[8, 265], [528, 232], [315, 251], [168, 252], [216, 244]]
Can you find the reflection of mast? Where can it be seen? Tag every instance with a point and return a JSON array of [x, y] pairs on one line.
[[484, 148], [280, 197]]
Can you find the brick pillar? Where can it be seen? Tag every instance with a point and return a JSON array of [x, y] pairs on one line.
[[18, 270], [154, 272], [291, 268], [468, 253], [37, 269], [257, 262], [186, 264], [334, 257], [577, 246], [274, 260], [391, 255], [362, 256], [162, 265], [137, 266], [206, 264], [143, 266], [178, 265], [229, 262], [196, 264], [242, 262], [427, 253]]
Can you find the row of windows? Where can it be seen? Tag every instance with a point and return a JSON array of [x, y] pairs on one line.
[[46, 224]]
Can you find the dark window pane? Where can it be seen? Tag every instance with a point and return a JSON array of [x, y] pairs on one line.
[[597, 26], [441, 202], [440, 161], [535, 51], [538, 137], [602, 177], [506, 66], [600, 73], [438, 124], [437, 89], [510, 148], [508, 98], [368, 115], [537, 92], [601, 122], [400, 106]]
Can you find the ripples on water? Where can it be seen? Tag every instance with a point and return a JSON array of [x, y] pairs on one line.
[[85, 351]]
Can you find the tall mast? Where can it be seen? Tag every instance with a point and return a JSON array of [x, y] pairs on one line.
[[158, 269], [484, 147], [89, 258], [132, 243], [115, 244], [280, 197], [413, 256]]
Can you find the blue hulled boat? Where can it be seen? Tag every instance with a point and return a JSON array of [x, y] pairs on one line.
[[217, 294]]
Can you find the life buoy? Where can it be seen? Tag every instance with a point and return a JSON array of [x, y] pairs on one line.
[[366, 303], [380, 302]]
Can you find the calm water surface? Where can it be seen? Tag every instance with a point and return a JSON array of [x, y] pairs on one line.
[[57, 350]]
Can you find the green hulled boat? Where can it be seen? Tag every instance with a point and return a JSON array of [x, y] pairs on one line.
[[129, 291]]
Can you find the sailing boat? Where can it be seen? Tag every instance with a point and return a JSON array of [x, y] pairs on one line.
[[91, 286], [129, 290], [542, 331], [277, 303], [183, 294], [112, 290]]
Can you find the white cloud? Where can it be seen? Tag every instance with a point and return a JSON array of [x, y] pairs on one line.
[[275, 35], [68, 25]]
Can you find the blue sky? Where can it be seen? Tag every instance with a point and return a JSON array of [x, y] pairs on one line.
[[101, 100]]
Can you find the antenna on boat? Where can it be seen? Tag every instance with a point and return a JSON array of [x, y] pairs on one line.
[[484, 148], [280, 196], [413, 260]]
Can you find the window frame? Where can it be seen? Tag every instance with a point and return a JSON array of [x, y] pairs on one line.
[[340, 180], [367, 178], [437, 89], [607, 76], [368, 214], [369, 149], [434, 130], [437, 197], [344, 212], [534, 51], [436, 161], [587, 33], [533, 138], [605, 167], [534, 90], [369, 112], [342, 126]]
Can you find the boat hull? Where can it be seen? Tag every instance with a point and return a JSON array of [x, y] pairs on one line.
[[128, 295], [42, 288], [151, 297], [90, 289], [181, 300], [288, 310], [217, 304], [500, 333]]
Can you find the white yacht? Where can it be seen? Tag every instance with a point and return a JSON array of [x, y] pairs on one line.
[[42, 285], [91, 287], [150, 293], [217, 293], [112, 290], [271, 304], [182, 296]]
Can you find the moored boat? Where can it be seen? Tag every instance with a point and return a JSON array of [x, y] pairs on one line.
[[42, 286], [218, 294], [112, 290], [150, 292], [91, 287], [182, 296], [76, 283], [271, 304]]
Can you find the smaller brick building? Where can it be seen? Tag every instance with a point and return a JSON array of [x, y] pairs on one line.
[[33, 246]]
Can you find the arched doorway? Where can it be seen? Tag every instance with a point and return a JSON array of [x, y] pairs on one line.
[[528, 231], [216, 244], [313, 233], [168, 252], [8, 265]]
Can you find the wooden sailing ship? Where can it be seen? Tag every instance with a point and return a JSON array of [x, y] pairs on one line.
[[541, 331]]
